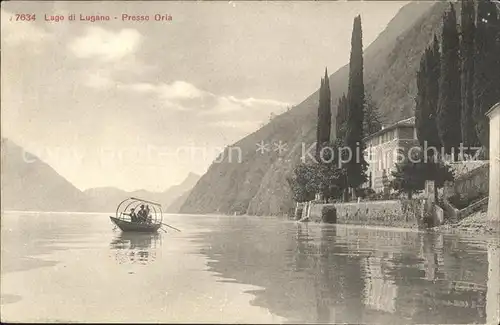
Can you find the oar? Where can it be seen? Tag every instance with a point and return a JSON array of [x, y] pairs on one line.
[[170, 226]]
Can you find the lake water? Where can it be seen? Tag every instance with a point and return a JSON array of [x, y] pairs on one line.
[[74, 268]]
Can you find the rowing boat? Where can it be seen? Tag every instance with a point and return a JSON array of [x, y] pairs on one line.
[[125, 225], [123, 218]]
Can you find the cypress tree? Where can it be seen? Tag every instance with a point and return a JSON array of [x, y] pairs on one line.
[[426, 107], [421, 109], [323, 128], [469, 136], [356, 167], [427, 97], [433, 91], [341, 118], [449, 103], [327, 108], [319, 124], [486, 89], [372, 121], [434, 73]]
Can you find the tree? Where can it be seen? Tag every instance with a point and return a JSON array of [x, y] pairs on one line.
[[439, 172], [323, 128], [469, 135], [407, 178], [427, 97], [421, 114], [329, 180], [449, 103], [356, 167], [341, 118], [410, 175], [372, 121], [486, 91], [325, 177], [336, 183], [332, 180], [302, 182]]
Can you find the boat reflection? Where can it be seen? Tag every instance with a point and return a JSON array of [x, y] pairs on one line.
[[135, 248]]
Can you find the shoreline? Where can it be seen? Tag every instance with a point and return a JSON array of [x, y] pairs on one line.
[[476, 223]]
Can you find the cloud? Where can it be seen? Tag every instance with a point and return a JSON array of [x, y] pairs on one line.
[[237, 116], [178, 95], [228, 104], [174, 90], [113, 55], [180, 90], [106, 45], [245, 115], [15, 33], [248, 102], [187, 97]]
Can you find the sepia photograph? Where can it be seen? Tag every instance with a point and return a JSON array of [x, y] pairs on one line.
[[250, 162]]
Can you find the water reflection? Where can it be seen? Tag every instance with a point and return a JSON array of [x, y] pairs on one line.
[[493, 297], [335, 274], [130, 247]]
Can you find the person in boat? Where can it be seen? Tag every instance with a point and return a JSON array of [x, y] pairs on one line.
[[142, 214], [148, 215], [133, 216]]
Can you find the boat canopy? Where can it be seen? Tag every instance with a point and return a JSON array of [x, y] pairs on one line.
[[124, 208]]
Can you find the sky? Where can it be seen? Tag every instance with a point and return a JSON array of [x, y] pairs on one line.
[[140, 104]]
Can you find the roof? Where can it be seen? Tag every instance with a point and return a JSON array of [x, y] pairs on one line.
[[406, 122], [495, 107]]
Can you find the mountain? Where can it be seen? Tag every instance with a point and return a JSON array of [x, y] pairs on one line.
[[187, 184], [184, 188], [29, 184], [175, 206], [105, 199], [257, 184]]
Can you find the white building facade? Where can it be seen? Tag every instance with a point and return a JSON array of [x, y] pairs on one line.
[[384, 148], [494, 186]]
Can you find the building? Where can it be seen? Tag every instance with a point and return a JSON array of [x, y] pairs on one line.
[[383, 149], [494, 188]]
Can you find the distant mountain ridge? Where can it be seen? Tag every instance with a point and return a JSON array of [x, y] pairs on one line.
[[29, 184], [106, 198], [258, 185], [175, 206]]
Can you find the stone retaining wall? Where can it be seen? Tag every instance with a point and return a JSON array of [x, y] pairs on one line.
[[471, 184], [481, 205], [391, 213]]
